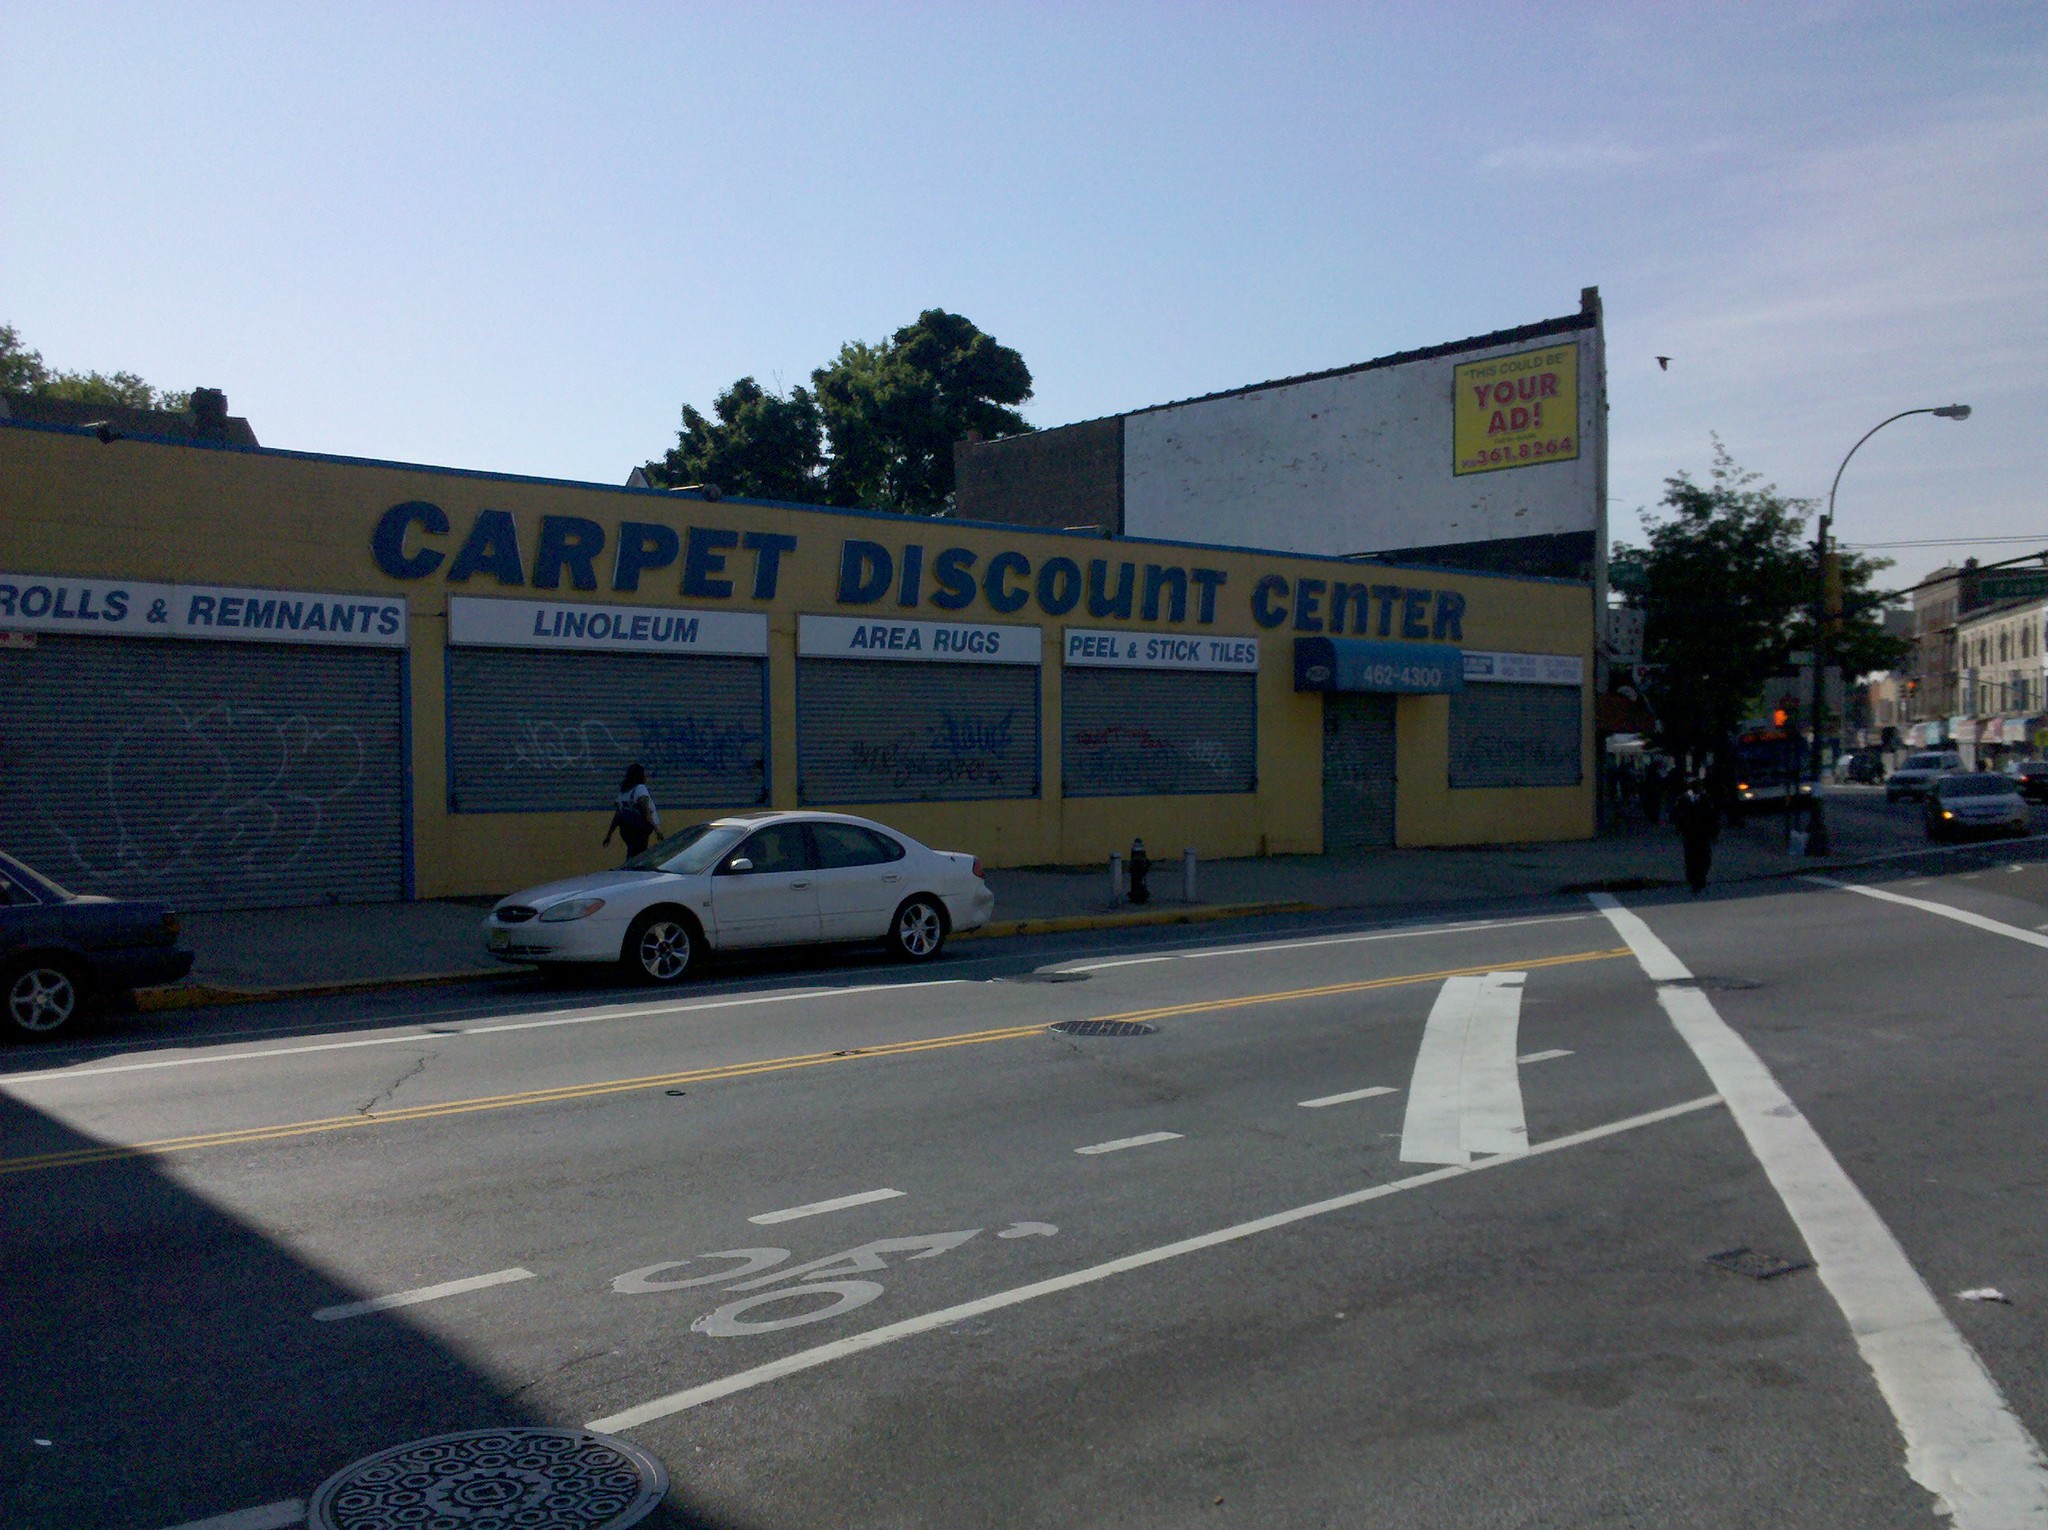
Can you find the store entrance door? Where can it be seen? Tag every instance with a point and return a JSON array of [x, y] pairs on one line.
[[1358, 771]]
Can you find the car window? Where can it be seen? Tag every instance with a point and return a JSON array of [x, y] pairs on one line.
[[848, 844], [779, 847], [31, 886], [1924, 762], [1983, 784], [690, 850]]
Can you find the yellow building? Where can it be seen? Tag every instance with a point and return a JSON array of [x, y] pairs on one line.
[[235, 677]]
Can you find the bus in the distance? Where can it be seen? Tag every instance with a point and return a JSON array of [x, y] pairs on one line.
[[1770, 769]]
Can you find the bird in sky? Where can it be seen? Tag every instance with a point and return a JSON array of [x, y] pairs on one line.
[[1663, 363]]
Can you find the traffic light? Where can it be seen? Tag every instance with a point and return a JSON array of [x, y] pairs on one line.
[[1780, 717]]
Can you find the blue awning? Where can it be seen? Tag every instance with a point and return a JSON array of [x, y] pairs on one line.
[[1357, 664]]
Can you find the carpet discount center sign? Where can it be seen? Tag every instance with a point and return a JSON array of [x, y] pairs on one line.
[[1516, 411]]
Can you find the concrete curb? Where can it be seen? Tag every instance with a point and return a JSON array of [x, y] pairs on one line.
[[202, 995]]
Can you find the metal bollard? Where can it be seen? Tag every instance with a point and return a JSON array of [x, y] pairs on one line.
[[1187, 876], [1116, 877], [1141, 867]]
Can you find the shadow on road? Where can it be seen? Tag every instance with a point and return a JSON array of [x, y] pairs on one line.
[[161, 1364]]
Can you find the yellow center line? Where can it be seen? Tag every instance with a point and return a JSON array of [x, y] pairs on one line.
[[73, 1157]]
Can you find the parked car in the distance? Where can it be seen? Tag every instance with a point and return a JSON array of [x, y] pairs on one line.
[[1976, 802], [62, 952], [1918, 772], [1865, 767], [2031, 777], [750, 880]]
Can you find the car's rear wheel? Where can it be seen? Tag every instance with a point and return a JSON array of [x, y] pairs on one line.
[[43, 996], [661, 946], [918, 932]]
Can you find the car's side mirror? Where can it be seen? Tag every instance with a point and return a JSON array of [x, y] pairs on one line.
[[736, 865]]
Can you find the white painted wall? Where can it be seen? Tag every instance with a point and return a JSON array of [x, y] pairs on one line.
[[1355, 463]]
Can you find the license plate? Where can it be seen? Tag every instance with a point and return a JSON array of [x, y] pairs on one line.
[[500, 939]]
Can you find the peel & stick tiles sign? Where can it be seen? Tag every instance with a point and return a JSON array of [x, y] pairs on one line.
[[488, 623], [1515, 411], [1087, 648], [133, 608]]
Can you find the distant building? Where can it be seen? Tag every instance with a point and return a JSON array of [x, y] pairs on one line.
[[2002, 677], [206, 422], [1932, 678]]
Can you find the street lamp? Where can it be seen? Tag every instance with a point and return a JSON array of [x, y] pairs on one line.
[[1817, 838]]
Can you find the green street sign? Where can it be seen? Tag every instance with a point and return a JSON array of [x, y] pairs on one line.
[[2013, 584]]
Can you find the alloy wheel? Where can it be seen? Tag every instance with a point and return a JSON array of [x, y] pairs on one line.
[[664, 950], [41, 999], [919, 930]]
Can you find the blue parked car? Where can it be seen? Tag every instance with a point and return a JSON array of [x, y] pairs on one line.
[[62, 953]]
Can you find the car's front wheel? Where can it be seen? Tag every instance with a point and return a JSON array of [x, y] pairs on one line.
[[43, 995], [918, 931], [660, 947]]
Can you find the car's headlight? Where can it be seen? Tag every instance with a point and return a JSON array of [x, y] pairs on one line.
[[571, 908], [1944, 813]]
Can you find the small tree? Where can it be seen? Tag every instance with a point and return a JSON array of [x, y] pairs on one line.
[[1728, 587], [22, 371], [761, 445]]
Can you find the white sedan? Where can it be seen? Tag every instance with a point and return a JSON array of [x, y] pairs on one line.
[[753, 879]]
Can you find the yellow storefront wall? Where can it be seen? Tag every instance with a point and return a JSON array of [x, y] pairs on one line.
[[70, 505]]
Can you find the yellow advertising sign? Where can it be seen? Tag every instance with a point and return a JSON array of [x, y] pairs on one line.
[[1516, 411]]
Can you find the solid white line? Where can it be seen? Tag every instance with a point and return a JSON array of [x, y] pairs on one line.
[[1535, 1057], [1947, 911], [1332, 940], [422, 1294], [875, 1338], [1963, 1443], [579, 1017], [815, 1208], [1347, 1098], [1129, 1142], [1492, 1118], [271, 1516]]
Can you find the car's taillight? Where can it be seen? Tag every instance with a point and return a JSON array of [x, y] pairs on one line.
[[977, 866], [171, 926]]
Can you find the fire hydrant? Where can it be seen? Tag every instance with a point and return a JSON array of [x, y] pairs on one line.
[[1141, 865]]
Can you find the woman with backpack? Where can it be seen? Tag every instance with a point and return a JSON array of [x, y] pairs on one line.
[[635, 819]]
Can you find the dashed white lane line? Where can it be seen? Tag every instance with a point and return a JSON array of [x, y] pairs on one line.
[[1550, 1056], [414, 1037], [946, 1317], [1347, 1097], [818, 1208], [1128, 1142], [269, 1516], [1331, 940], [1947, 911], [1963, 1443], [422, 1294]]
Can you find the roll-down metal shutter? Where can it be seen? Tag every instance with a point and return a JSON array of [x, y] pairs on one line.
[[1143, 732], [1358, 770], [208, 775], [534, 730], [909, 732], [1515, 735]]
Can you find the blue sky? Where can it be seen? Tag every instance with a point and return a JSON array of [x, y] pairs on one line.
[[520, 237]]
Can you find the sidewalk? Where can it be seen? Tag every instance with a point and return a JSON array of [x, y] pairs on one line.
[[257, 952]]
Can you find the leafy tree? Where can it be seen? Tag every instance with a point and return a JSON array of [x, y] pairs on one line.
[[760, 445], [893, 411], [22, 371], [1727, 586]]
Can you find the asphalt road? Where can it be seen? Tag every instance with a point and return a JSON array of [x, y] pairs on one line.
[[1364, 1231]]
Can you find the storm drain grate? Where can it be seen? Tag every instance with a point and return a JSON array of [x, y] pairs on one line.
[[1046, 977], [1104, 1028], [495, 1479], [1756, 1264]]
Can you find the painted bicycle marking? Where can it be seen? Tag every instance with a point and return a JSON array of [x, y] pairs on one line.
[[799, 1285]]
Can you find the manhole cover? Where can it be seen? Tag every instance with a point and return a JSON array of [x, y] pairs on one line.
[[1754, 1263], [1720, 984], [1104, 1028], [494, 1479], [1046, 977]]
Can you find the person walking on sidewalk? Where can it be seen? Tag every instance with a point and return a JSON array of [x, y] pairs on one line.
[[1698, 825], [635, 819]]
